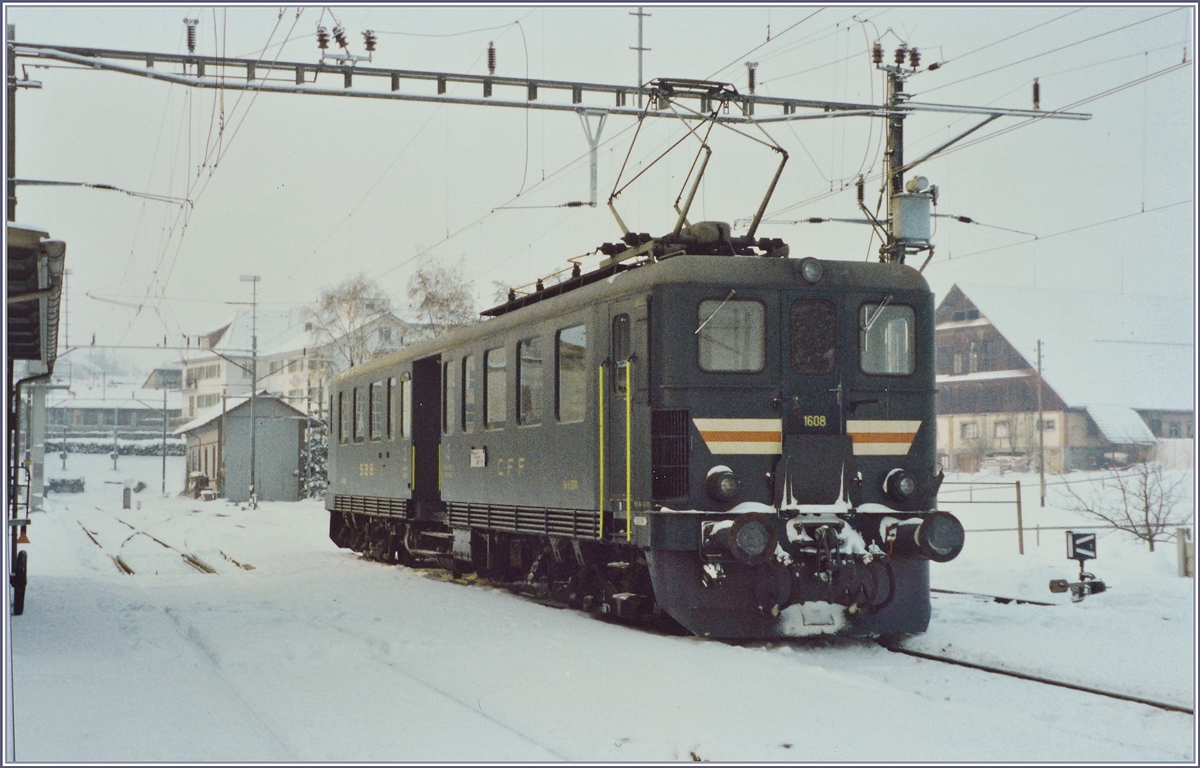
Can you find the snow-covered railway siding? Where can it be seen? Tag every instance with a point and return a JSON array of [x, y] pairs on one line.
[[317, 655]]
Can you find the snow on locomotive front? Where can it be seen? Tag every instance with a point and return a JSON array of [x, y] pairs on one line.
[[793, 454]]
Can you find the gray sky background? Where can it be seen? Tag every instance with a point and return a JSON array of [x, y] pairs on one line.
[[306, 190]]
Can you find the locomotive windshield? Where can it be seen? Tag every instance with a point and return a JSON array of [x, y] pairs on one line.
[[733, 338], [886, 339], [813, 335]]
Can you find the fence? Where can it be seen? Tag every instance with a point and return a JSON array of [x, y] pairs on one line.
[[1016, 485]]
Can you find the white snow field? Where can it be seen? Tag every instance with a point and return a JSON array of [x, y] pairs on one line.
[[295, 650]]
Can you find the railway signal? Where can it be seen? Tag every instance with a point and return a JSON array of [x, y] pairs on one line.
[[1081, 547]]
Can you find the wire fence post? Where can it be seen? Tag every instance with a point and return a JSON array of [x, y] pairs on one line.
[[1020, 527]]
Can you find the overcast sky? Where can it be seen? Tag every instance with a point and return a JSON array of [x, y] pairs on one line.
[[308, 190]]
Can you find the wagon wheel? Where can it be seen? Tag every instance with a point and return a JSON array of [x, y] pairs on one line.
[[19, 579]]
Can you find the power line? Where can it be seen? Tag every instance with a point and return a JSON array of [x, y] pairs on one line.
[[1047, 53]]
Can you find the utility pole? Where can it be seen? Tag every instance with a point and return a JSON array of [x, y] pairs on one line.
[[164, 445], [1041, 429], [639, 49], [253, 279]]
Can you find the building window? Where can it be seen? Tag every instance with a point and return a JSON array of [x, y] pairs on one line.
[[494, 393], [1176, 429], [969, 430], [813, 335], [469, 405], [958, 362], [1047, 425], [1000, 430], [732, 335], [529, 381], [886, 339], [572, 373]]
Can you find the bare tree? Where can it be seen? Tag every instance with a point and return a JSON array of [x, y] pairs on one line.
[[442, 296], [1140, 500], [342, 316]]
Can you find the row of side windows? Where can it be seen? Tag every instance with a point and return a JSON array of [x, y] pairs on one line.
[[376, 411], [464, 390]]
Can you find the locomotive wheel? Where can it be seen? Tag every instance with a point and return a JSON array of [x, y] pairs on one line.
[[18, 580]]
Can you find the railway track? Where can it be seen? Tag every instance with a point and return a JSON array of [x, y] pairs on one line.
[[897, 648], [123, 566]]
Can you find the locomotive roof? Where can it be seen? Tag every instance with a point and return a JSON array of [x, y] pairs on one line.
[[683, 269]]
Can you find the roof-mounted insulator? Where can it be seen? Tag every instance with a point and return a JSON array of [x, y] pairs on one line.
[[540, 286], [369, 40], [859, 187], [901, 55], [339, 34], [877, 54], [191, 34], [322, 38], [935, 65], [491, 59], [1037, 94], [914, 58], [751, 70]]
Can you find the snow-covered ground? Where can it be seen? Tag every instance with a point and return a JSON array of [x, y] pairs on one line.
[[298, 651]]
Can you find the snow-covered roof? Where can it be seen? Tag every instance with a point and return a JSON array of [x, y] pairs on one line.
[[213, 413], [112, 395], [1120, 425], [1129, 350], [240, 328]]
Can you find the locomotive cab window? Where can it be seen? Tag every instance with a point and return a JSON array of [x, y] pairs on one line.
[[343, 418], [886, 343], [732, 335], [449, 382], [378, 411], [813, 333], [406, 408], [529, 381], [572, 373], [469, 408], [494, 387], [622, 349], [360, 414]]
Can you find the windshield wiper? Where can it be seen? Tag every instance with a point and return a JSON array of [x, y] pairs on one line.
[[878, 311], [715, 311]]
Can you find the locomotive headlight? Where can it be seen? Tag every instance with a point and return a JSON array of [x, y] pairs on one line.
[[722, 485], [900, 484], [811, 270], [941, 537], [752, 538]]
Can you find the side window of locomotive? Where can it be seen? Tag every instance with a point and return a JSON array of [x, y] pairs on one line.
[[378, 411], [468, 393], [886, 344], [813, 335], [732, 335], [494, 384], [572, 373], [391, 408], [343, 418], [406, 408], [529, 381], [449, 384], [360, 414], [622, 349]]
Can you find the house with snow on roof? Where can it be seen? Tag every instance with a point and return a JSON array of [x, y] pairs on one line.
[[299, 369], [218, 363], [1117, 379]]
